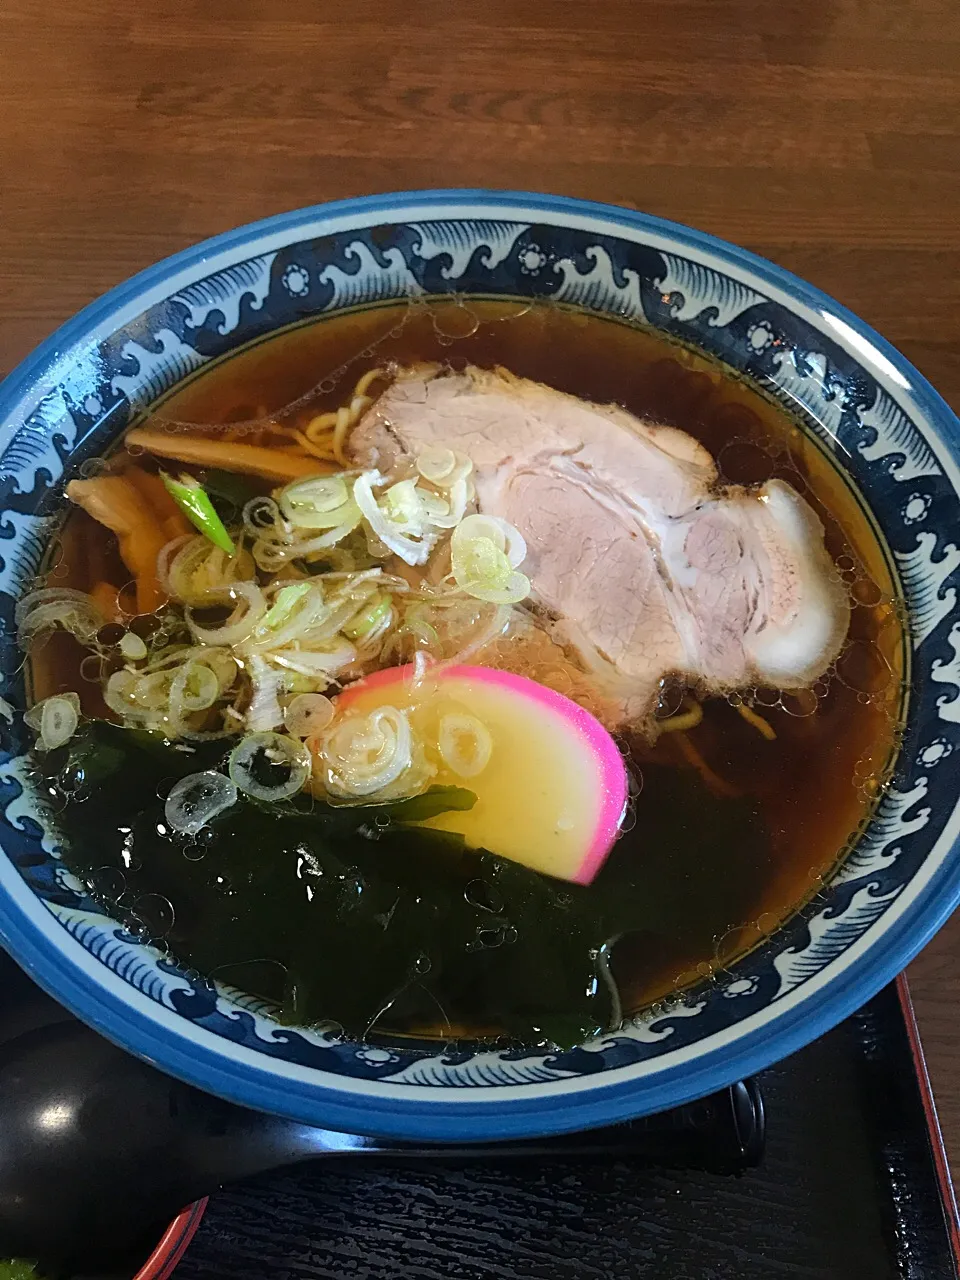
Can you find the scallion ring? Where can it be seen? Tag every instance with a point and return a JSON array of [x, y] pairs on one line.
[[197, 799], [269, 766]]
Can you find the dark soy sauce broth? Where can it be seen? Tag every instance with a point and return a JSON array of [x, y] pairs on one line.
[[780, 814]]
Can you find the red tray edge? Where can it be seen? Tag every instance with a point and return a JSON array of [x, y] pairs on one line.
[[935, 1134]]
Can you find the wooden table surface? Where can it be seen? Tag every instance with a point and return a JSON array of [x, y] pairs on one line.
[[823, 134]]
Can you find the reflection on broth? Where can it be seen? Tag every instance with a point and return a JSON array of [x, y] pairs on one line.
[[743, 796]]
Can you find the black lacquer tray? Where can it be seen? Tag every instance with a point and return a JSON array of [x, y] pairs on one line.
[[851, 1185], [827, 1167]]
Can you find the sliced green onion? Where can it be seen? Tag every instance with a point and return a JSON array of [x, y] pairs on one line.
[[367, 753], [120, 693], [443, 467], [499, 531], [480, 560], [484, 553], [47, 608], [413, 551], [262, 515], [132, 647], [242, 620], [270, 766], [402, 506], [368, 618], [197, 686], [436, 463], [264, 711], [416, 623], [295, 682], [190, 566], [197, 799], [194, 501], [515, 589], [447, 512], [54, 720], [319, 664], [302, 617], [308, 714], [318, 502], [284, 604]]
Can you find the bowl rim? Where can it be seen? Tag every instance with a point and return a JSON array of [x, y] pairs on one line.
[[467, 1113]]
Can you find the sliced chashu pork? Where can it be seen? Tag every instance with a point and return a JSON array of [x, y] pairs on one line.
[[647, 567]]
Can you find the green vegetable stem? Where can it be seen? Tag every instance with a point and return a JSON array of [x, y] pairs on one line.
[[194, 502]]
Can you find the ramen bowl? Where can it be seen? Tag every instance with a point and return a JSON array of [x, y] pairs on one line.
[[894, 442]]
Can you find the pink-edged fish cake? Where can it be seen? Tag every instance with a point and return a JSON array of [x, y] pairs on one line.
[[553, 793]]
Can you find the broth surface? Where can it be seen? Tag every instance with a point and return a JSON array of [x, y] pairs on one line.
[[732, 832]]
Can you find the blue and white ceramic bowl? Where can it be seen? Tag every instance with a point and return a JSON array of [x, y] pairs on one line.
[[880, 422]]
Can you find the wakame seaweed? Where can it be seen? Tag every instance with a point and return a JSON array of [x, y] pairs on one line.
[[357, 916]]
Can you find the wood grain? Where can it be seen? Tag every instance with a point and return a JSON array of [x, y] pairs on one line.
[[824, 134]]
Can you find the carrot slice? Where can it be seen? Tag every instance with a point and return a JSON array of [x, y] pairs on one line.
[[251, 459]]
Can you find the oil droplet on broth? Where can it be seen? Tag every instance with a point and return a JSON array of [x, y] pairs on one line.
[[863, 667], [799, 702], [156, 913], [454, 322]]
